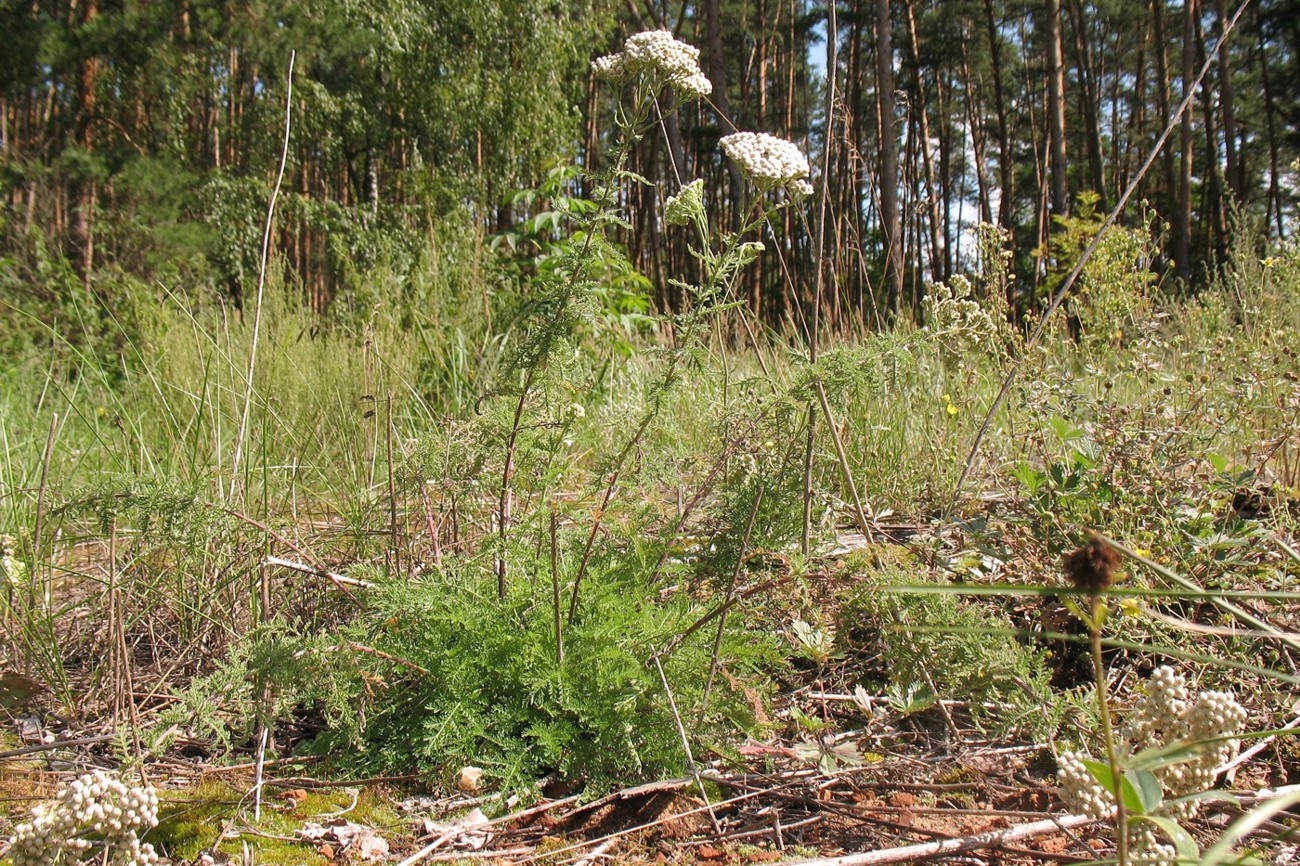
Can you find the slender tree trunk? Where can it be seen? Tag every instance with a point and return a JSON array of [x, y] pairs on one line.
[[1089, 105], [1182, 228], [1006, 171], [1270, 125], [975, 123], [890, 219], [84, 229], [1213, 198], [921, 109], [718, 77], [1159, 52], [1056, 111], [945, 174], [1227, 104]]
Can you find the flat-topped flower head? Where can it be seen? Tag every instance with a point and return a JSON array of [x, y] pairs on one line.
[[660, 57], [769, 162]]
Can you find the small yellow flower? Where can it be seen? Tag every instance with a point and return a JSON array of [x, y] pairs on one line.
[[1130, 607], [101, 412], [948, 405]]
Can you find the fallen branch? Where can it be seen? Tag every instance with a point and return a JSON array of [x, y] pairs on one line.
[[925, 850], [319, 572]]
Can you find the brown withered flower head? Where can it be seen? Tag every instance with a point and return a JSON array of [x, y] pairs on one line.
[[1091, 568]]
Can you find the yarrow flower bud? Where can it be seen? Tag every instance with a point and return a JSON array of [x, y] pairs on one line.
[[1080, 792], [1146, 848], [1165, 715], [10, 568], [686, 206], [97, 803], [769, 162]]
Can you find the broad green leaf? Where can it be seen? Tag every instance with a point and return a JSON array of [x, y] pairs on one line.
[[1132, 800], [1184, 844], [1162, 756], [1149, 790]]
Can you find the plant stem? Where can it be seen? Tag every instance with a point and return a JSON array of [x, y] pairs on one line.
[[1108, 731]]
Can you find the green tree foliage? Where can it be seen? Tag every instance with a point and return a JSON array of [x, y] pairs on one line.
[[403, 112]]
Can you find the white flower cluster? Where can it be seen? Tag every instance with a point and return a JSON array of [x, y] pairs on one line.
[[10, 568], [1165, 715], [769, 161], [658, 54], [952, 312], [97, 803]]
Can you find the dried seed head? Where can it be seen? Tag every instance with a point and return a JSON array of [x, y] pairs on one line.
[[1092, 567]]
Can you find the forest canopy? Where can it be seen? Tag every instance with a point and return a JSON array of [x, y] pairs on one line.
[[140, 140]]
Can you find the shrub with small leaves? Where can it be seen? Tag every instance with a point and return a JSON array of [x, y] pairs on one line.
[[98, 818]]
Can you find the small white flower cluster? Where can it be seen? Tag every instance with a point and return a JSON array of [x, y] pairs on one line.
[[952, 312], [658, 54], [10, 568], [769, 162], [97, 803], [1166, 714]]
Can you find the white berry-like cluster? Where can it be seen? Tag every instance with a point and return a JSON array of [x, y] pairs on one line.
[[1165, 715], [768, 161], [97, 804], [1146, 848], [1157, 717], [664, 59], [1079, 790]]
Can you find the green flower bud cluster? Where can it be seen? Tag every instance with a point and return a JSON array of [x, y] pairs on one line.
[[687, 206], [97, 817]]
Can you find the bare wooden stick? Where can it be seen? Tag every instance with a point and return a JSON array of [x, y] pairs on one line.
[[261, 283], [862, 513], [319, 572], [989, 839]]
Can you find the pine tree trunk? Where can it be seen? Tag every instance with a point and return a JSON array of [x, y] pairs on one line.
[[1182, 224], [1056, 112], [891, 223]]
